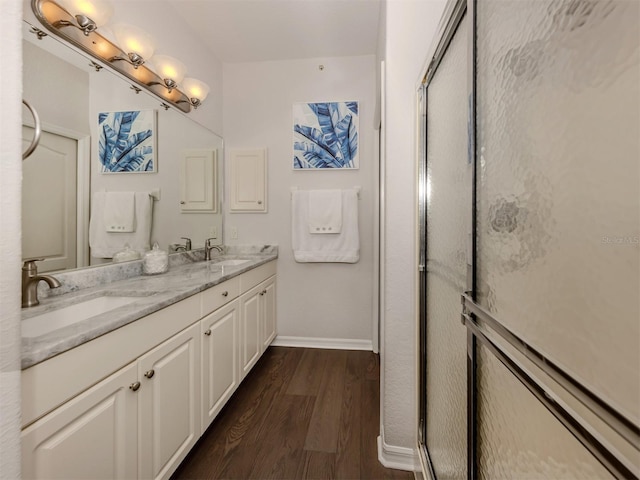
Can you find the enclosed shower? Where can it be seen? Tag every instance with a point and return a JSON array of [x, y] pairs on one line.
[[529, 200]]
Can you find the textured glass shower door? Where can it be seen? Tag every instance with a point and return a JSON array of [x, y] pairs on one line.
[[448, 199], [558, 212]]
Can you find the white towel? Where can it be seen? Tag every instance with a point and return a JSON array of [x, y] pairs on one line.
[[325, 211], [120, 212], [104, 244], [343, 247]]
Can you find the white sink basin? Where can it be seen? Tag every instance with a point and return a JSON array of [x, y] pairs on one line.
[[232, 263], [63, 317]]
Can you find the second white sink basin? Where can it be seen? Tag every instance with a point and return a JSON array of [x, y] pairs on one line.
[[63, 317]]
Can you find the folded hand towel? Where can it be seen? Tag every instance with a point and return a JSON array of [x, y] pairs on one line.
[[325, 211], [343, 247], [104, 244], [120, 212]]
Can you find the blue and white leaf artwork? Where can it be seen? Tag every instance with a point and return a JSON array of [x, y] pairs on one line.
[[325, 135], [126, 141]]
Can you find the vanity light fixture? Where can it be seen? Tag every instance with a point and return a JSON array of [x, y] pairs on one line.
[[126, 49], [88, 14]]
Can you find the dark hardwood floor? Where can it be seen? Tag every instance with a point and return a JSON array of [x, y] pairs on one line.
[[300, 414]]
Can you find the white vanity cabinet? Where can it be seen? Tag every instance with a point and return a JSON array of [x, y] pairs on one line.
[[258, 322], [169, 403], [94, 435], [133, 402], [220, 377], [138, 423]]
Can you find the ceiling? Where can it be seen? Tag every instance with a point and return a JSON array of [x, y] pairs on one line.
[[263, 30]]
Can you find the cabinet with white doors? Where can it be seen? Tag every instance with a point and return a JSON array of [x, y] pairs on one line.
[[258, 326], [132, 403], [139, 422], [248, 180]]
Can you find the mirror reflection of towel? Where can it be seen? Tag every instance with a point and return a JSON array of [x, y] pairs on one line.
[[120, 212], [104, 244]]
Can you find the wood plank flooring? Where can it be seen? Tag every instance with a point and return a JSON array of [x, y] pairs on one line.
[[300, 414]]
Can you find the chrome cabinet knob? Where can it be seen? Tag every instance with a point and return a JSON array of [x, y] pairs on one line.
[[207, 332], [149, 373], [134, 386]]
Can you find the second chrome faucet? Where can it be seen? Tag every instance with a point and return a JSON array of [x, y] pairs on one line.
[[208, 247]]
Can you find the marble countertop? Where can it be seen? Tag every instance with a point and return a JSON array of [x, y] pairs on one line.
[[187, 276]]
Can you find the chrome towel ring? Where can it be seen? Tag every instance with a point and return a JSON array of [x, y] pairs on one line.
[[36, 135]]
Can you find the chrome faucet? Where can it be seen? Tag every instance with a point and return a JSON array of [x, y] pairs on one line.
[[30, 280], [208, 247], [178, 247]]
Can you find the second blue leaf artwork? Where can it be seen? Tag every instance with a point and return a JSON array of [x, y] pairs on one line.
[[325, 135], [126, 141]]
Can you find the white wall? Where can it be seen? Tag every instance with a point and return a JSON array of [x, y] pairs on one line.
[[410, 27], [10, 182], [314, 300]]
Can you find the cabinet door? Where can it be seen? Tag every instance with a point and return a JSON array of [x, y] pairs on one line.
[[248, 181], [198, 192], [268, 327], [94, 435], [220, 375], [169, 403], [250, 329]]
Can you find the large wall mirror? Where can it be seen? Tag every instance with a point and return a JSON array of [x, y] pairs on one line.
[[63, 175]]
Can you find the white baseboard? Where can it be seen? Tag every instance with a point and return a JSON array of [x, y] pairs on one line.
[[331, 343], [400, 458]]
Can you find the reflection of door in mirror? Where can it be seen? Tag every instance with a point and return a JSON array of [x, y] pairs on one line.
[[49, 196], [56, 176]]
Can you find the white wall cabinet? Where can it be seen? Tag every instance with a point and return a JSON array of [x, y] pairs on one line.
[[181, 365], [198, 183], [220, 374], [248, 181]]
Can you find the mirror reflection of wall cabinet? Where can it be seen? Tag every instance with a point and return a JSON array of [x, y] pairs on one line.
[[248, 180], [198, 191]]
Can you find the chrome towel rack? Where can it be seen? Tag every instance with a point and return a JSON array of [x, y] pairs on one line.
[[38, 131]]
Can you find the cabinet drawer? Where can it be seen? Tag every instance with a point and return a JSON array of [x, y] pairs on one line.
[[217, 296], [250, 279]]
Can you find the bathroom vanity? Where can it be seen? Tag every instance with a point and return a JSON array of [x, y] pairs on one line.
[[127, 393]]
